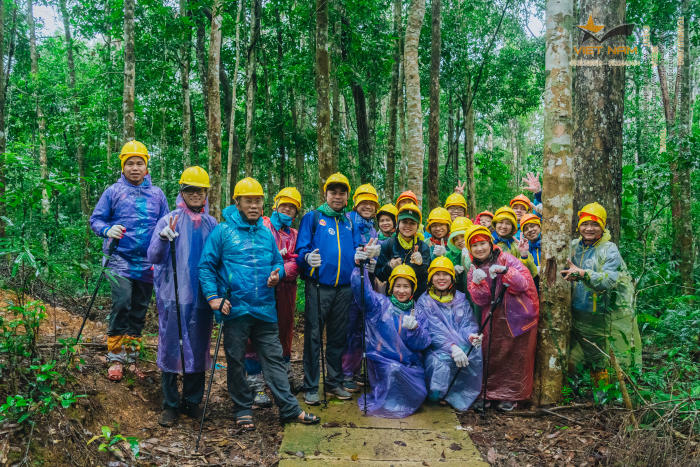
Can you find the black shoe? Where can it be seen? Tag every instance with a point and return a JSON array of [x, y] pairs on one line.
[[192, 410], [168, 417]]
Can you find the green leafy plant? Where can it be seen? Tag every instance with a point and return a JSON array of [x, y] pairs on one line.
[[109, 442]]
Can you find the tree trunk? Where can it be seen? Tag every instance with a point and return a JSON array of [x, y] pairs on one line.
[[323, 120], [234, 150], [129, 131], [163, 144], [415, 152], [455, 143], [364, 157], [251, 84], [201, 54], [555, 292], [185, 81], [3, 135], [450, 135], [214, 120], [284, 179], [598, 109], [401, 104], [335, 98], [470, 190], [41, 121], [393, 99], [372, 124], [513, 133], [434, 119], [298, 152]]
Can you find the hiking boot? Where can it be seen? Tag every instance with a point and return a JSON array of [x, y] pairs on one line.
[[506, 406], [481, 405], [359, 380], [340, 393], [168, 417], [350, 385], [311, 398], [192, 410], [262, 400]]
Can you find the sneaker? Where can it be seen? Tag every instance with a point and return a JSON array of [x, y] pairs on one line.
[[192, 410], [168, 417], [350, 385], [506, 406], [481, 405], [262, 399], [311, 398], [359, 381], [340, 393]]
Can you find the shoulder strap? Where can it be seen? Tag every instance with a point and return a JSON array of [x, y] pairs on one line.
[[317, 216]]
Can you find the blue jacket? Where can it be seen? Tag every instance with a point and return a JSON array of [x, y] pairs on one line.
[[536, 250], [239, 256], [335, 243], [362, 229]]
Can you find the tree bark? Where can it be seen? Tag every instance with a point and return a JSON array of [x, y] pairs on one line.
[[401, 104], [598, 109], [393, 105], [234, 150], [201, 54], [335, 98], [129, 131], [251, 84], [298, 152], [372, 124], [3, 135], [468, 112], [185, 48], [434, 119], [214, 120], [555, 292], [415, 152], [281, 114], [323, 123]]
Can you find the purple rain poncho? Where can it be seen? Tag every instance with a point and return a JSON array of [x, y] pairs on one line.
[[394, 360], [194, 228], [138, 208], [450, 323]]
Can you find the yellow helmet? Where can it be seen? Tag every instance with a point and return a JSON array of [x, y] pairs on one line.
[[506, 213], [455, 199], [438, 216], [460, 224], [288, 195], [337, 178], [388, 209], [195, 176], [593, 212], [409, 211], [133, 148], [473, 232], [441, 263], [248, 187], [365, 192], [405, 271]]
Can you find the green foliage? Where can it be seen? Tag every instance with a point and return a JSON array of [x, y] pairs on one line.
[[109, 442]]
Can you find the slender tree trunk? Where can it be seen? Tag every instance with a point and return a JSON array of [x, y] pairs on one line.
[[640, 157], [298, 152], [393, 104], [401, 104], [185, 48], [363, 152], [251, 83], [513, 137], [234, 150], [129, 131], [555, 292], [415, 152], [3, 135], [434, 119], [469, 150], [335, 98], [450, 135], [163, 144], [599, 106], [455, 143], [201, 54], [372, 124], [214, 120], [284, 179], [323, 120]]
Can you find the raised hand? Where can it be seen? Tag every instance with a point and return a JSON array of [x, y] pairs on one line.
[[416, 257], [523, 247], [574, 273], [168, 232], [460, 187], [532, 183], [372, 248], [274, 278]]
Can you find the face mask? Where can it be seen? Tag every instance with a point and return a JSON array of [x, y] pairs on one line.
[[281, 219]]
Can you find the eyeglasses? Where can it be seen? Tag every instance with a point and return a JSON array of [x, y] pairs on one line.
[[191, 190]]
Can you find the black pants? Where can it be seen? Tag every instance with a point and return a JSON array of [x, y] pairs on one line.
[[265, 339], [192, 389], [335, 303], [130, 299]]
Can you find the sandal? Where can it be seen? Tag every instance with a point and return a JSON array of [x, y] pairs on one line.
[[137, 372], [115, 372], [245, 422], [304, 418]]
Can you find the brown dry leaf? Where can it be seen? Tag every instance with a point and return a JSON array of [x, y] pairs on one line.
[[456, 447], [354, 457]]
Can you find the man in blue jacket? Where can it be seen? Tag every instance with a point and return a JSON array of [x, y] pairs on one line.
[[326, 257], [239, 269]]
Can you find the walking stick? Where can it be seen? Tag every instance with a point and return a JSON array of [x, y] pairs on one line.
[[211, 375], [320, 330], [177, 304], [363, 364], [110, 251]]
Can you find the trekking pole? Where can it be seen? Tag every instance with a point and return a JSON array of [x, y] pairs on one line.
[[110, 251], [177, 305], [323, 353], [363, 364], [213, 368]]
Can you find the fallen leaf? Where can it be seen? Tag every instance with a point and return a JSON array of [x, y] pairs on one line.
[[456, 447], [425, 463], [399, 443], [354, 457], [331, 425]]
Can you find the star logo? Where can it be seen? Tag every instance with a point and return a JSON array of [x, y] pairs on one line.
[[591, 27], [591, 30]]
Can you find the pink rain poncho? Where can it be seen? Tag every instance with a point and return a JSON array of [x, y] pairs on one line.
[[450, 323], [514, 323], [394, 361], [196, 316]]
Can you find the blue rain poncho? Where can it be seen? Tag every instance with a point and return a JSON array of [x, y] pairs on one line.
[[196, 316], [394, 361], [138, 208], [450, 323]]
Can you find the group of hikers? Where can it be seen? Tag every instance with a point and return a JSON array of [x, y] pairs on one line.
[[445, 311]]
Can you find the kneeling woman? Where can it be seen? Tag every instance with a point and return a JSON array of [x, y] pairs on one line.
[[453, 330], [510, 337], [394, 341]]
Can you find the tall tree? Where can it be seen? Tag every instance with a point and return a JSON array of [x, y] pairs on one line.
[[234, 151], [393, 104], [129, 131], [415, 152], [468, 112], [3, 136], [555, 292], [185, 50], [252, 85], [434, 120], [599, 105], [323, 116], [214, 120]]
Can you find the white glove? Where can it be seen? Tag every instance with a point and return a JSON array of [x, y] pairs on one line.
[[409, 322], [497, 269], [394, 262], [283, 251], [313, 259], [116, 231], [537, 208], [478, 276], [360, 254], [459, 357], [439, 250], [459, 269], [475, 340], [371, 266], [417, 258], [168, 234], [465, 252], [373, 250]]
